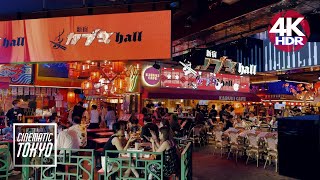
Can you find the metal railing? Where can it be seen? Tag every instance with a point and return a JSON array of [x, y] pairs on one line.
[[186, 163], [4, 160], [71, 164], [146, 163]]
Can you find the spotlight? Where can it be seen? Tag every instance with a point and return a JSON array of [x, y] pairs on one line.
[[156, 66], [266, 87]]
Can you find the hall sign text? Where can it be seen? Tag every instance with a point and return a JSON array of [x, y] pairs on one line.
[[249, 70], [12, 42]]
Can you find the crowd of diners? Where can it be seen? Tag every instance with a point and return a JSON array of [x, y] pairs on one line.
[[159, 127]]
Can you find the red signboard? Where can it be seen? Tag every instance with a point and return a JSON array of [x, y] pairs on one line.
[[175, 78], [128, 36]]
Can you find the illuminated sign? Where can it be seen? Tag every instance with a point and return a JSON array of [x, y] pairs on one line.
[[176, 78], [219, 64], [211, 54], [81, 38], [250, 70], [151, 76], [232, 98]]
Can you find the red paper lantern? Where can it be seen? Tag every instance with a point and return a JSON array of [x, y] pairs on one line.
[[118, 67], [86, 85], [71, 97], [95, 76]]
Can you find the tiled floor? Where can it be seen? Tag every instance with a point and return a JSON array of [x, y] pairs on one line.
[[213, 167]]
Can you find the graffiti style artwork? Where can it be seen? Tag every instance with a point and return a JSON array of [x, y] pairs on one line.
[[19, 73]]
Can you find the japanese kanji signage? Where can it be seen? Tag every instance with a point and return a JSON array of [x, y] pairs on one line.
[[130, 36], [177, 78]]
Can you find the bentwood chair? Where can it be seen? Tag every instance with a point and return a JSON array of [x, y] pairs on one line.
[[235, 145], [272, 150], [254, 150], [219, 142]]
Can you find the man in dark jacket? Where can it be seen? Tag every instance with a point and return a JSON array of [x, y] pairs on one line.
[[148, 126]]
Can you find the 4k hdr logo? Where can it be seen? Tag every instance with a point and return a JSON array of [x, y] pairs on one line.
[[289, 31]]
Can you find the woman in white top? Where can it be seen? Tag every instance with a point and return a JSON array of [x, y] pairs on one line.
[[94, 117]]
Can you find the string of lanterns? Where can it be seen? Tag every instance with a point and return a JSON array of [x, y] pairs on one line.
[[106, 78]]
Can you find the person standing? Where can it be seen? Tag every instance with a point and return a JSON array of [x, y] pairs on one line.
[[110, 117], [104, 111], [213, 114], [14, 114], [94, 117], [78, 110]]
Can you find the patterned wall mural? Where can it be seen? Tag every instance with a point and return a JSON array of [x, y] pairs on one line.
[[18, 73]]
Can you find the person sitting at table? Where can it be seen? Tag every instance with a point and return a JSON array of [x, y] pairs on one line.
[[252, 118], [199, 117], [164, 123], [114, 143], [148, 125], [239, 123], [186, 126], [180, 114], [175, 126], [94, 117], [80, 130], [135, 126], [228, 122], [166, 114], [274, 123], [167, 146], [154, 119]]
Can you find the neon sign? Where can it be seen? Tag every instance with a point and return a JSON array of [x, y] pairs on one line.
[[176, 78], [252, 69]]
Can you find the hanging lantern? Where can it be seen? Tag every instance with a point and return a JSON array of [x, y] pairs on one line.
[[74, 73], [119, 85], [85, 67], [118, 67], [71, 97], [86, 85], [95, 76]]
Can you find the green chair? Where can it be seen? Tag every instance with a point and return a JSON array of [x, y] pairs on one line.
[[4, 160], [71, 164]]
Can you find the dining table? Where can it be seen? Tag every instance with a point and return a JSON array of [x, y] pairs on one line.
[[99, 130], [100, 140], [104, 134]]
